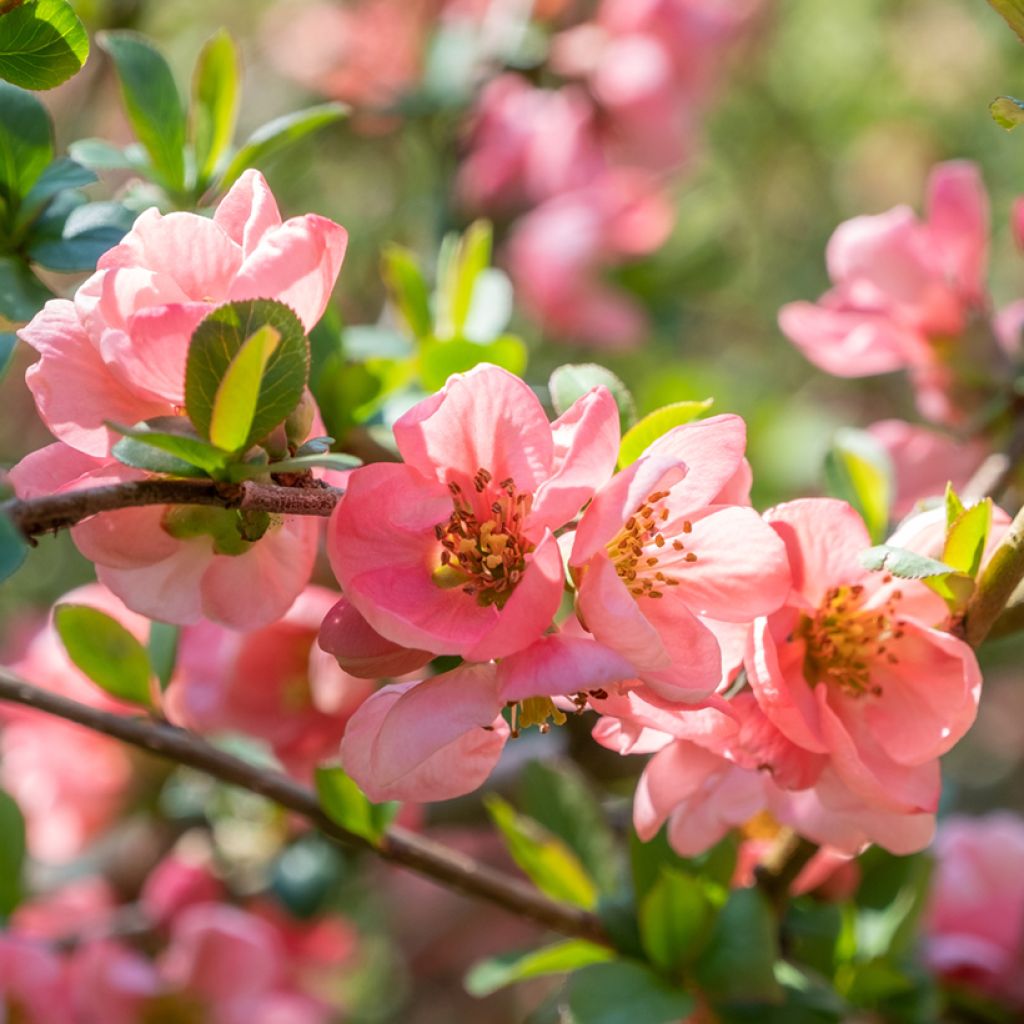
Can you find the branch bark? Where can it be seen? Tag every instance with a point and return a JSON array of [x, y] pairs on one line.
[[34, 516], [454, 870]]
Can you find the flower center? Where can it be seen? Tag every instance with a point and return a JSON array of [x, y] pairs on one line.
[[844, 640], [647, 559], [483, 550]]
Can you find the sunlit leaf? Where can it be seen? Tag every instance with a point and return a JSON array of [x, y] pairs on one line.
[[965, 539], [407, 288], [1013, 12], [438, 360], [497, 972], [167, 445], [345, 804], [42, 43], [641, 436], [1007, 112], [572, 381], [215, 95], [858, 470], [234, 404]]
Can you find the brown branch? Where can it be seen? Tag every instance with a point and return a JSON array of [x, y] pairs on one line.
[[34, 516], [450, 868]]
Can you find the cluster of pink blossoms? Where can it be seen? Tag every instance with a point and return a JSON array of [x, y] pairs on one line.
[[849, 694]]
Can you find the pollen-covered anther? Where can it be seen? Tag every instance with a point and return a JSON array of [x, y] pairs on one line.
[[482, 544], [644, 557], [844, 640]]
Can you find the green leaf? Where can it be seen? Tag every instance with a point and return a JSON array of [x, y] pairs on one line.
[[640, 437], [86, 234], [26, 142], [58, 176], [738, 962], [496, 973], [346, 805], [279, 133], [105, 651], [152, 102], [558, 797], [1007, 112], [167, 444], [954, 506], [42, 43], [455, 296], [22, 294], [965, 539], [624, 992], [13, 548], [675, 920], [215, 94], [8, 343], [438, 360], [216, 343], [12, 854], [101, 155], [907, 565], [572, 381], [1013, 12], [551, 865], [163, 650], [234, 404], [323, 460], [407, 288], [858, 470]]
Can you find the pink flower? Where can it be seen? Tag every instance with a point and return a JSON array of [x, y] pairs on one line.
[[360, 650], [453, 551], [974, 924], [924, 461], [118, 352], [176, 883], [852, 666], [899, 284], [70, 782], [273, 683], [660, 552], [32, 984]]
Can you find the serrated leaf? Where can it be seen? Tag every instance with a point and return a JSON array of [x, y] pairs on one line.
[[858, 470], [438, 360], [163, 650], [279, 133], [675, 920], [215, 95], [1007, 112], [22, 294], [13, 548], [965, 539], [407, 289], [12, 854], [500, 971], [162, 445], [234, 404], [152, 102], [346, 805], [1013, 12], [954, 506], [42, 43], [907, 565], [543, 857], [60, 175], [105, 651], [26, 142], [624, 992], [559, 798], [572, 381], [641, 436], [738, 961], [217, 341]]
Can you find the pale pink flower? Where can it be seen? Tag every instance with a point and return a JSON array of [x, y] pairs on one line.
[[453, 551], [974, 924], [273, 683], [853, 667], [660, 552], [924, 461]]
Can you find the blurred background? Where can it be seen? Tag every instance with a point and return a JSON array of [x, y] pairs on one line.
[[788, 116]]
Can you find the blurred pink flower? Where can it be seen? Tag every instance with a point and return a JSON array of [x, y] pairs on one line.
[[453, 551], [273, 683], [661, 550], [974, 924], [32, 983], [852, 666]]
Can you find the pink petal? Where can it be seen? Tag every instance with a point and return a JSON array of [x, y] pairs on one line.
[[248, 211], [360, 650], [297, 264], [484, 419], [560, 665], [56, 467], [958, 223], [672, 776], [427, 741], [167, 590]]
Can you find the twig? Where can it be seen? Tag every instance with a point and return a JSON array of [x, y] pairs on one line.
[[34, 516], [448, 867]]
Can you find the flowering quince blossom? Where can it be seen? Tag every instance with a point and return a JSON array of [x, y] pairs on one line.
[[273, 683], [974, 923], [118, 352], [69, 781], [663, 553], [852, 665]]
